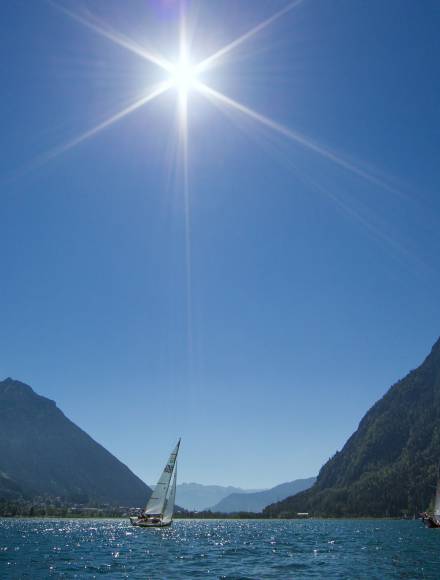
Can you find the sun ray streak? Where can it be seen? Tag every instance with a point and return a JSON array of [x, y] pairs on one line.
[[187, 209], [293, 135], [116, 37], [210, 61], [158, 90], [183, 135]]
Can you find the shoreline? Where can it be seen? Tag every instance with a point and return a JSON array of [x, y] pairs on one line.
[[232, 518]]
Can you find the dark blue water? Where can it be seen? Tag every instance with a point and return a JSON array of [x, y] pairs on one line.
[[226, 549]]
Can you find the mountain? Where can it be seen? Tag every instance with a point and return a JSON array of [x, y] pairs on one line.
[[256, 502], [44, 454], [388, 467], [198, 497]]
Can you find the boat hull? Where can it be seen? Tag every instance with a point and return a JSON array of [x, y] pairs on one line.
[[431, 522], [141, 523]]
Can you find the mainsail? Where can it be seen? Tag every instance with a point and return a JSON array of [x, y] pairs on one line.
[[158, 499], [169, 506], [437, 500]]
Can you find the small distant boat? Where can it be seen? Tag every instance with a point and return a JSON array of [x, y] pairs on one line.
[[433, 520], [159, 510]]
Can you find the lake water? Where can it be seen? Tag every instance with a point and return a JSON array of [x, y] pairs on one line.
[[226, 549]]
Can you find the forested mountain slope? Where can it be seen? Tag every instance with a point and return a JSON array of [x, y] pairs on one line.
[[388, 466]]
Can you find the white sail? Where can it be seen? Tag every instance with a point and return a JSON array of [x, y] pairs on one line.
[[169, 506], [437, 500], [156, 503]]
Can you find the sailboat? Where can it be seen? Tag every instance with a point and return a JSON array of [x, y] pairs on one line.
[[159, 510], [433, 520]]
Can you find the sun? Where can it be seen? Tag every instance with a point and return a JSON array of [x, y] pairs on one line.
[[183, 76]]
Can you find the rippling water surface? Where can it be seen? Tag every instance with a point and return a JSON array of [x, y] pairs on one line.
[[226, 549]]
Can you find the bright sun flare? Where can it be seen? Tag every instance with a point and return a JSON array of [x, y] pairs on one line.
[[184, 76]]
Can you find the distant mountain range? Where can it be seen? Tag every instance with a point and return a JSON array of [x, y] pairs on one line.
[[388, 467], [198, 497], [257, 501], [43, 454]]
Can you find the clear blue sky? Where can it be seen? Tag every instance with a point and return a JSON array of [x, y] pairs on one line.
[[313, 288]]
